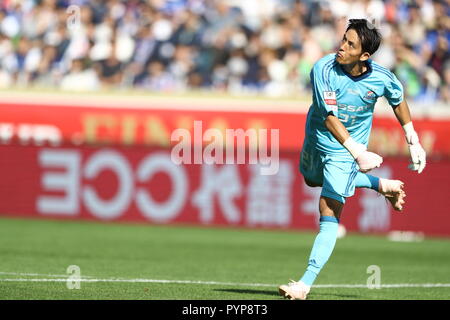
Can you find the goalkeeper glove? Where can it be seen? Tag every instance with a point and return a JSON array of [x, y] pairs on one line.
[[417, 153], [366, 160]]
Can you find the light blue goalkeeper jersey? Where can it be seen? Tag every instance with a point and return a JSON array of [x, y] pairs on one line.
[[351, 99]]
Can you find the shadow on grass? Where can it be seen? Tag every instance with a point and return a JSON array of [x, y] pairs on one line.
[[274, 293], [323, 296], [250, 291]]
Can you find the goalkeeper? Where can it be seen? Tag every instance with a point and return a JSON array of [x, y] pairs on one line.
[[346, 86]]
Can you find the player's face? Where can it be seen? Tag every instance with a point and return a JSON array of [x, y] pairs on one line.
[[350, 51]]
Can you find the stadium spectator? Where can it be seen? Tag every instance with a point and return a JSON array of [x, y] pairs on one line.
[[80, 77], [235, 46]]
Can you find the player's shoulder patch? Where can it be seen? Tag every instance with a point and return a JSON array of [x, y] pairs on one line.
[[330, 97]]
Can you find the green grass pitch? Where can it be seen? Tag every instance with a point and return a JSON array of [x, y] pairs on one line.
[[227, 263]]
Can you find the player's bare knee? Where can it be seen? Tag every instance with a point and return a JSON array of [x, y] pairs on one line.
[[330, 207]]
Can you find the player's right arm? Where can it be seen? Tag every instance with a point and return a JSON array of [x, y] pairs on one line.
[[325, 100], [417, 153], [366, 160], [394, 94]]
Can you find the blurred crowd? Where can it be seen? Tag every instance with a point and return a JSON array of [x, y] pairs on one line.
[[234, 46]]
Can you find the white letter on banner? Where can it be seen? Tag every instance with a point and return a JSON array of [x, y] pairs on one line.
[[67, 182], [6, 132], [223, 182], [162, 212], [108, 209]]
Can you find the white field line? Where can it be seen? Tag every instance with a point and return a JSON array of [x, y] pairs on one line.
[[36, 274], [91, 279]]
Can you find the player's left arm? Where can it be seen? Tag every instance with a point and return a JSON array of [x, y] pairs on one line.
[[417, 153]]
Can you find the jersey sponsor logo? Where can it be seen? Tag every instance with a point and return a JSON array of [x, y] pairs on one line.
[[350, 108], [370, 95], [330, 97]]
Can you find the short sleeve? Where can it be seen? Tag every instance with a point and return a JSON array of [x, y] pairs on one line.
[[324, 98], [393, 90]]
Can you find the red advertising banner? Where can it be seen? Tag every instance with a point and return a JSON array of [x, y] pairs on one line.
[[39, 124], [143, 184]]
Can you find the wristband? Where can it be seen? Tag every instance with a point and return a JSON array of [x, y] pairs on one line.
[[408, 128], [410, 133], [354, 147]]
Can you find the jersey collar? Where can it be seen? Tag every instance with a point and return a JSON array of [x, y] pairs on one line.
[[363, 75]]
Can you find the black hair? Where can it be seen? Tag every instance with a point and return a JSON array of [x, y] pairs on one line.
[[369, 35]]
